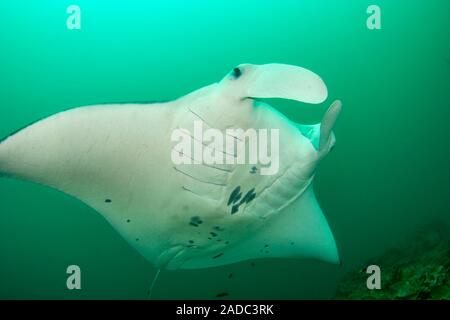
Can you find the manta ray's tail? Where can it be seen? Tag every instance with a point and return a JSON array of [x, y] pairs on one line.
[[152, 286]]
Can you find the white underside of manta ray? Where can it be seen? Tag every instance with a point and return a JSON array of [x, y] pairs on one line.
[[117, 159]]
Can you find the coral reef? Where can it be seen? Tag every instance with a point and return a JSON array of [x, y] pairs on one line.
[[418, 270]]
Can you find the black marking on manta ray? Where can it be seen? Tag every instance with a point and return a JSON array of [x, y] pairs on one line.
[[213, 234], [108, 200], [191, 241], [128, 220], [195, 221], [253, 170], [249, 196], [233, 195], [218, 256], [218, 228]]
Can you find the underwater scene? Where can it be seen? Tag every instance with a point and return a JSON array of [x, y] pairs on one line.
[[225, 150]]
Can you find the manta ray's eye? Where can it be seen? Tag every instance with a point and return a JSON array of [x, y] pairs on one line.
[[236, 73]]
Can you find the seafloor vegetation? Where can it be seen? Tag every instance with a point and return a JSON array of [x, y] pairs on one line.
[[419, 269]]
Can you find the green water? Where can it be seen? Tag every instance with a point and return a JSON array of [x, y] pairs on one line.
[[388, 175]]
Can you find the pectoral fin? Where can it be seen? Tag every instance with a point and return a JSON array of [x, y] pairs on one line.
[[298, 231]]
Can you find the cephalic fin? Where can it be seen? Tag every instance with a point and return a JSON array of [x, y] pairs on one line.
[[326, 128]]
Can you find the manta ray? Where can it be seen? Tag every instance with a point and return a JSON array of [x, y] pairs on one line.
[[116, 158]]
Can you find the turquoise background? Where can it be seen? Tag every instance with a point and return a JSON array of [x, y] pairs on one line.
[[388, 175]]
